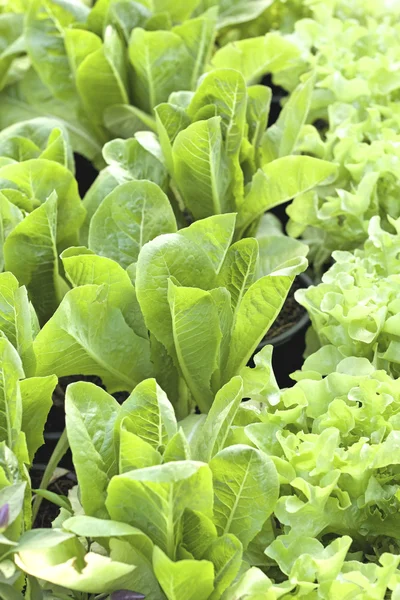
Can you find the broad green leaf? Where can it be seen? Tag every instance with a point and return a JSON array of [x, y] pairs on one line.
[[36, 394], [128, 160], [97, 574], [212, 236], [38, 178], [233, 12], [197, 336], [92, 527], [88, 335], [90, 417], [253, 584], [168, 256], [82, 267], [138, 552], [30, 253], [177, 448], [179, 10], [30, 98], [258, 106], [254, 57], [280, 139], [189, 579], [280, 181], [10, 396], [42, 134], [79, 44], [226, 555], [101, 77], [198, 36], [150, 414], [198, 533], [201, 169], [134, 452], [124, 120], [238, 271], [223, 92], [17, 319], [161, 64], [170, 119], [212, 436], [259, 308], [246, 489], [154, 499], [130, 216], [44, 38]]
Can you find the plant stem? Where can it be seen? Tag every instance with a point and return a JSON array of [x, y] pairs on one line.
[[58, 452]]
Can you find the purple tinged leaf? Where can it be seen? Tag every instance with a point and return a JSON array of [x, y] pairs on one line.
[[126, 595], [4, 516]]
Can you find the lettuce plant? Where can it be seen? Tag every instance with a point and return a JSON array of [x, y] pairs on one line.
[[364, 145], [100, 70], [292, 492], [355, 308], [189, 310], [215, 155], [40, 208]]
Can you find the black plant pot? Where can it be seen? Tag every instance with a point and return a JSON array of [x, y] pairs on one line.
[[289, 345], [85, 173]]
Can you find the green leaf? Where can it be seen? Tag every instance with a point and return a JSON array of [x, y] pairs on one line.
[[138, 552], [226, 555], [223, 91], [97, 574], [189, 579], [88, 335], [154, 499], [134, 452], [170, 119], [165, 257], [177, 448], [280, 139], [30, 253], [280, 181], [198, 36], [246, 490], [124, 120], [196, 334], [90, 418], [10, 397], [128, 160], [82, 267], [259, 308], [202, 170], [161, 65], [212, 436], [254, 57], [36, 394], [150, 414], [44, 38], [38, 178], [92, 527], [198, 533], [238, 271], [101, 78], [212, 236], [17, 319], [129, 217]]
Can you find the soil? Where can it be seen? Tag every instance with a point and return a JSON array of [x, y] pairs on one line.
[[290, 314], [60, 485], [85, 173]]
